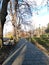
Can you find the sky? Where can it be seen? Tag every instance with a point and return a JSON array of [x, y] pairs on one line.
[[42, 18]]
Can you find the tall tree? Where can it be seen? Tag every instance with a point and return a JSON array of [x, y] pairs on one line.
[[14, 17], [4, 13]]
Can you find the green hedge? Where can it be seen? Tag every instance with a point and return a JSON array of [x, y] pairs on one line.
[[42, 42]]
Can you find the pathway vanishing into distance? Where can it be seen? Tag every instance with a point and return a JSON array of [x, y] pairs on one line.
[[25, 53]]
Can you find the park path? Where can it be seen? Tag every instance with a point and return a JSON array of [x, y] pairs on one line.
[[26, 53]]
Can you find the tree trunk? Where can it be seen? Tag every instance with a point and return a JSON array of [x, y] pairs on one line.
[[14, 16], [3, 14]]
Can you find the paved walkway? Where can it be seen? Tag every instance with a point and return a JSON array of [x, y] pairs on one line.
[[27, 54]]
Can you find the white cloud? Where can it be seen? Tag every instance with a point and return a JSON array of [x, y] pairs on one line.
[[42, 20], [38, 2]]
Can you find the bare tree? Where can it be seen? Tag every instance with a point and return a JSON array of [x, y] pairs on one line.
[[13, 20], [4, 13]]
